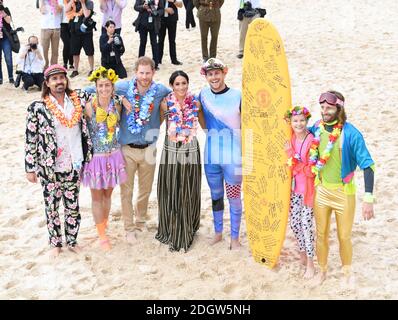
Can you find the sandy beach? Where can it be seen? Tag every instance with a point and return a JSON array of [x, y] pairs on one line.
[[347, 46]]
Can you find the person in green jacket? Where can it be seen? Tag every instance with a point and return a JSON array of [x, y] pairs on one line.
[[209, 16]]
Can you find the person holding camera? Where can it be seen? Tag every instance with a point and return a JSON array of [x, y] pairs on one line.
[[149, 21], [5, 44], [32, 63], [209, 15], [81, 26], [112, 48], [169, 23], [112, 10], [246, 14], [51, 11]]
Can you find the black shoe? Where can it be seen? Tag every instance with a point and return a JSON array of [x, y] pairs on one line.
[[240, 56], [66, 66], [177, 63], [1, 82], [156, 67], [74, 74], [11, 81], [71, 67]]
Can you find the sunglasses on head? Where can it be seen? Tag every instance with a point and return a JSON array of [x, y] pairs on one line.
[[330, 98]]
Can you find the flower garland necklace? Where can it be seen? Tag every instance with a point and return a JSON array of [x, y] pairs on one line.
[[141, 112], [106, 120], [292, 161], [77, 113], [317, 163], [183, 121], [53, 4]]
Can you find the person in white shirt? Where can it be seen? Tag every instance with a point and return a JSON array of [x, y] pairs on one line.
[[31, 63], [246, 14], [51, 11]]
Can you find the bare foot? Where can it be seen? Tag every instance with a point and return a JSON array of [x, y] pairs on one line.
[[131, 237], [310, 269], [54, 252], [303, 258], [348, 282], [76, 249], [319, 279], [105, 244], [235, 244], [217, 238]]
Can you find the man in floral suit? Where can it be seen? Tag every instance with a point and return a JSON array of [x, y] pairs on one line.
[[57, 145]]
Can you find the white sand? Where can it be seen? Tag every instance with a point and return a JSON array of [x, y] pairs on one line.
[[353, 51]]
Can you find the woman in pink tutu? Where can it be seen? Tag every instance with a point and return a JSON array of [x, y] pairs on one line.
[[107, 167]]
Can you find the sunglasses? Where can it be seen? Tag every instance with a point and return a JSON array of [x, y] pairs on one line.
[[331, 99]]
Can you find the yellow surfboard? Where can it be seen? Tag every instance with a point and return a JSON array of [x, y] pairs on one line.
[[266, 96]]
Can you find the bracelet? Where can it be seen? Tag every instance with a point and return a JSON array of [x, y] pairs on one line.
[[369, 197]]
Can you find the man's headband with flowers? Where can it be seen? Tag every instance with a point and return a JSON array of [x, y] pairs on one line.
[[212, 64], [297, 110], [103, 73], [331, 98]]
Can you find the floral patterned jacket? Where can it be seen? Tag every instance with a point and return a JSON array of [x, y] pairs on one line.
[[41, 145]]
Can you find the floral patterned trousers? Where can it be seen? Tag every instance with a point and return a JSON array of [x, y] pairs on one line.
[[66, 187]]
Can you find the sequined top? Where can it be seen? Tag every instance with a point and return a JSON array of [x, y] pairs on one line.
[[99, 131]]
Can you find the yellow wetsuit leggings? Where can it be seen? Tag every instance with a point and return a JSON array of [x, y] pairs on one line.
[[343, 205]]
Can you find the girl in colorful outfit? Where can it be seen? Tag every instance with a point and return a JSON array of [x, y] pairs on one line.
[[179, 180], [302, 196], [341, 148], [107, 167]]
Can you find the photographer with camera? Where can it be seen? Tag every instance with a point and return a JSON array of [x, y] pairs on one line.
[[31, 61], [149, 21], [81, 26], [248, 11], [112, 48], [51, 19], [5, 44], [169, 23], [112, 10]]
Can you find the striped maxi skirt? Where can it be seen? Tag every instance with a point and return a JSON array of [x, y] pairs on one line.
[[179, 185]]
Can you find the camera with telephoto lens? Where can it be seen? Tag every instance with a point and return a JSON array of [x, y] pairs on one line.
[[18, 78], [116, 40], [78, 5], [88, 25]]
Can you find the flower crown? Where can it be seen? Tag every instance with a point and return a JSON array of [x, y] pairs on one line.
[[103, 73], [297, 110]]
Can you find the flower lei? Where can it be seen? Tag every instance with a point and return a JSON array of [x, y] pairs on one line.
[[183, 121], [317, 164], [106, 120], [141, 113], [53, 5], [77, 113]]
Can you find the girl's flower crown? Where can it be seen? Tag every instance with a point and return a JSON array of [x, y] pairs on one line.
[[103, 73], [297, 110]]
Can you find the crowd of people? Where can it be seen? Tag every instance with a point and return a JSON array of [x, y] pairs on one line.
[[72, 22], [104, 135]]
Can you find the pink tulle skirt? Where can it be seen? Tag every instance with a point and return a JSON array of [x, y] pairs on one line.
[[105, 171]]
